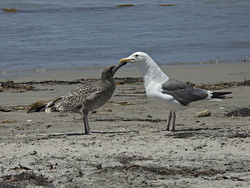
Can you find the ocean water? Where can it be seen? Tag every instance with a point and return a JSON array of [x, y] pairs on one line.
[[58, 35]]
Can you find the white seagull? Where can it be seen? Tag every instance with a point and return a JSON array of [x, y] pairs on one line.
[[167, 92]]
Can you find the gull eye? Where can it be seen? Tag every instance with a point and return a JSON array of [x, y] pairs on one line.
[[136, 55]]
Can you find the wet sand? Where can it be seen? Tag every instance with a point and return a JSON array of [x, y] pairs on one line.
[[50, 150]]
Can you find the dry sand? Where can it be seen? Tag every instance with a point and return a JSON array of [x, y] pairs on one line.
[[49, 150]]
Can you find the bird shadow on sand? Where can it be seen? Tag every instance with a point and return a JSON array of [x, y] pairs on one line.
[[191, 130], [187, 133], [196, 129], [172, 133], [94, 133]]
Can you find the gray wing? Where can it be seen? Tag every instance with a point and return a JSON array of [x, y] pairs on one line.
[[183, 92]]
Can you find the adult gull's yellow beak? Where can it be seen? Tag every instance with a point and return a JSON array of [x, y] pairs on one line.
[[124, 60]]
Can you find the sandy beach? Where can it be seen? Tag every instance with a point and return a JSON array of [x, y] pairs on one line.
[[50, 150]]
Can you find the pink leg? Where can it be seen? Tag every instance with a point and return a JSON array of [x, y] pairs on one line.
[[174, 117], [169, 120], [86, 124]]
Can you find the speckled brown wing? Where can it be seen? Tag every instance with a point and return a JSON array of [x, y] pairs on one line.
[[76, 99]]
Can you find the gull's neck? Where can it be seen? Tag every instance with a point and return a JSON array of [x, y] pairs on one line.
[[152, 72]]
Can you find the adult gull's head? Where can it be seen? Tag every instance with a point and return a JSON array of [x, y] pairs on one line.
[[137, 58]]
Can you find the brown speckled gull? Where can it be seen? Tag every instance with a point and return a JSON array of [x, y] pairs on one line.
[[87, 97]]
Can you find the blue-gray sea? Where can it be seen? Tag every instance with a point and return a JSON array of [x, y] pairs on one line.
[[53, 35]]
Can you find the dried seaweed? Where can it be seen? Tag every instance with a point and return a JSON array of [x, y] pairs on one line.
[[27, 86], [11, 108], [36, 106], [25, 178], [55, 82], [10, 10], [166, 171], [11, 85], [169, 5], [126, 158], [239, 135], [242, 112], [222, 85], [125, 5], [3, 109], [128, 80], [20, 167], [8, 121]]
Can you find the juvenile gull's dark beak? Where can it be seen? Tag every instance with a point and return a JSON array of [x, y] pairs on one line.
[[116, 67], [122, 62]]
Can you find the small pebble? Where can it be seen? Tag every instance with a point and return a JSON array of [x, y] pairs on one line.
[[33, 152], [48, 126]]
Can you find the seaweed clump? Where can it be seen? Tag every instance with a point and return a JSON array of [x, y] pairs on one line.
[[9, 84], [242, 112], [25, 178]]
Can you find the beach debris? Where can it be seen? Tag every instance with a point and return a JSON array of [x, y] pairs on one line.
[[9, 10], [127, 158], [36, 106], [12, 132], [221, 85], [210, 172], [33, 152], [182, 135], [56, 82], [232, 178], [203, 113], [48, 126], [39, 105], [11, 108], [27, 86], [27, 178], [8, 121], [242, 112], [52, 167], [20, 167], [123, 103], [239, 135], [98, 167], [182, 171], [125, 5], [169, 5], [9, 84], [128, 80], [246, 82]]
